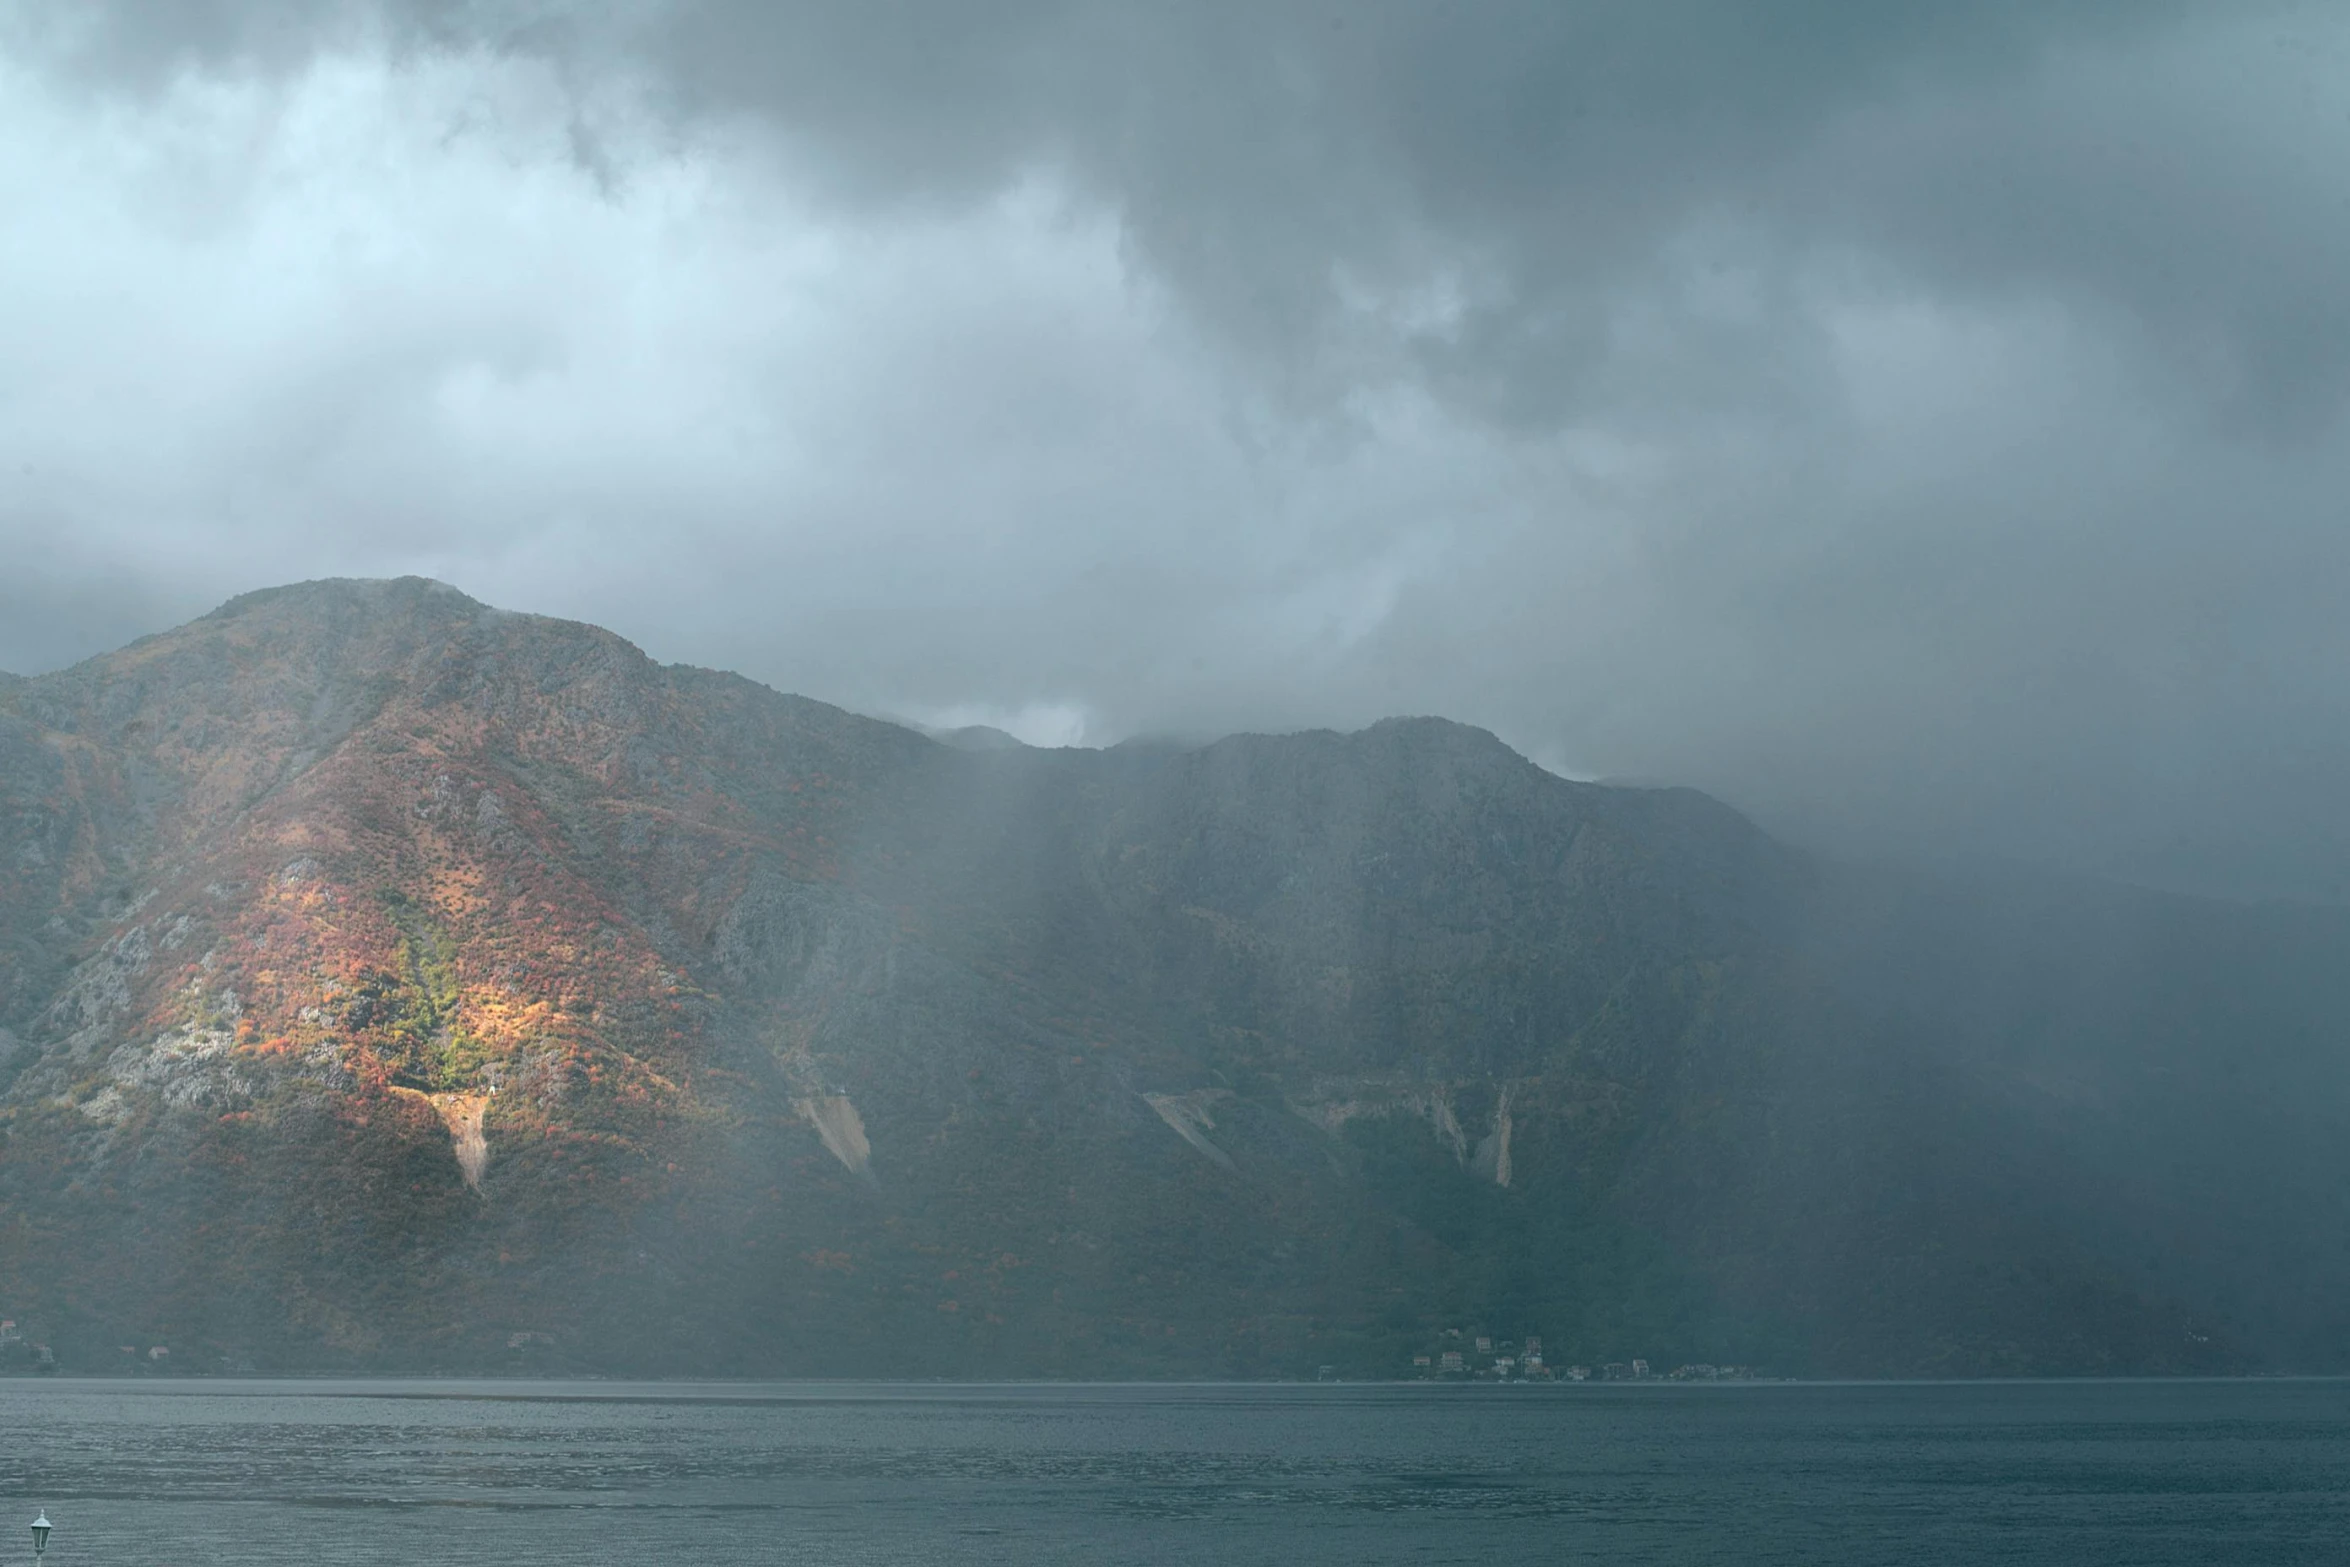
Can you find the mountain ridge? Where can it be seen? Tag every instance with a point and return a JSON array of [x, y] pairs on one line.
[[397, 982]]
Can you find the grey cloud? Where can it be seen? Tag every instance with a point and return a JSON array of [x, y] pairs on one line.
[[1536, 158], [1486, 181], [1527, 157]]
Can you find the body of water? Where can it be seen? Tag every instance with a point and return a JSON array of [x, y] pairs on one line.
[[217, 1472]]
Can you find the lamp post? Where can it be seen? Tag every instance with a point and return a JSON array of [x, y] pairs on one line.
[[40, 1534]]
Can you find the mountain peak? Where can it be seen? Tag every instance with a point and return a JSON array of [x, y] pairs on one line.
[[344, 595], [1422, 732], [980, 737]]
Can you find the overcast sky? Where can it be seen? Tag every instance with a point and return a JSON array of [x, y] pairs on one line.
[[1921, 424]]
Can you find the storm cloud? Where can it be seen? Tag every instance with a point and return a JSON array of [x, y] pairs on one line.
[[1921, 425]]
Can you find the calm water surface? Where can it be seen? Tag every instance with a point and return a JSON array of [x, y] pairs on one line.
[[457, 1472]]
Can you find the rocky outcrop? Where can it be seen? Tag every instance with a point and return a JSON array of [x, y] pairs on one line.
[[462, 1114], [1192, 1117], [842, 1130]]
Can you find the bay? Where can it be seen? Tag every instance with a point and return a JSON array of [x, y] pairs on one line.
[[215, 1471]]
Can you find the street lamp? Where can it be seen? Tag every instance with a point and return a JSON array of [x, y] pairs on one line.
[[40, 1534]]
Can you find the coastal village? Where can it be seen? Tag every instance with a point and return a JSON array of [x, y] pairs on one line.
[[1458, 1355], [1467, 1356], [18, 1354]]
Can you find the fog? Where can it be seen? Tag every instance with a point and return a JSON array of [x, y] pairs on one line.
[[1921, 426]]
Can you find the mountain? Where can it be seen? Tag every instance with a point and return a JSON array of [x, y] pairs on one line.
[[977, 737], [390, 982]]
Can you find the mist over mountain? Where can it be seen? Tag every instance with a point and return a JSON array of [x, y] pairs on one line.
[[388, 981]]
